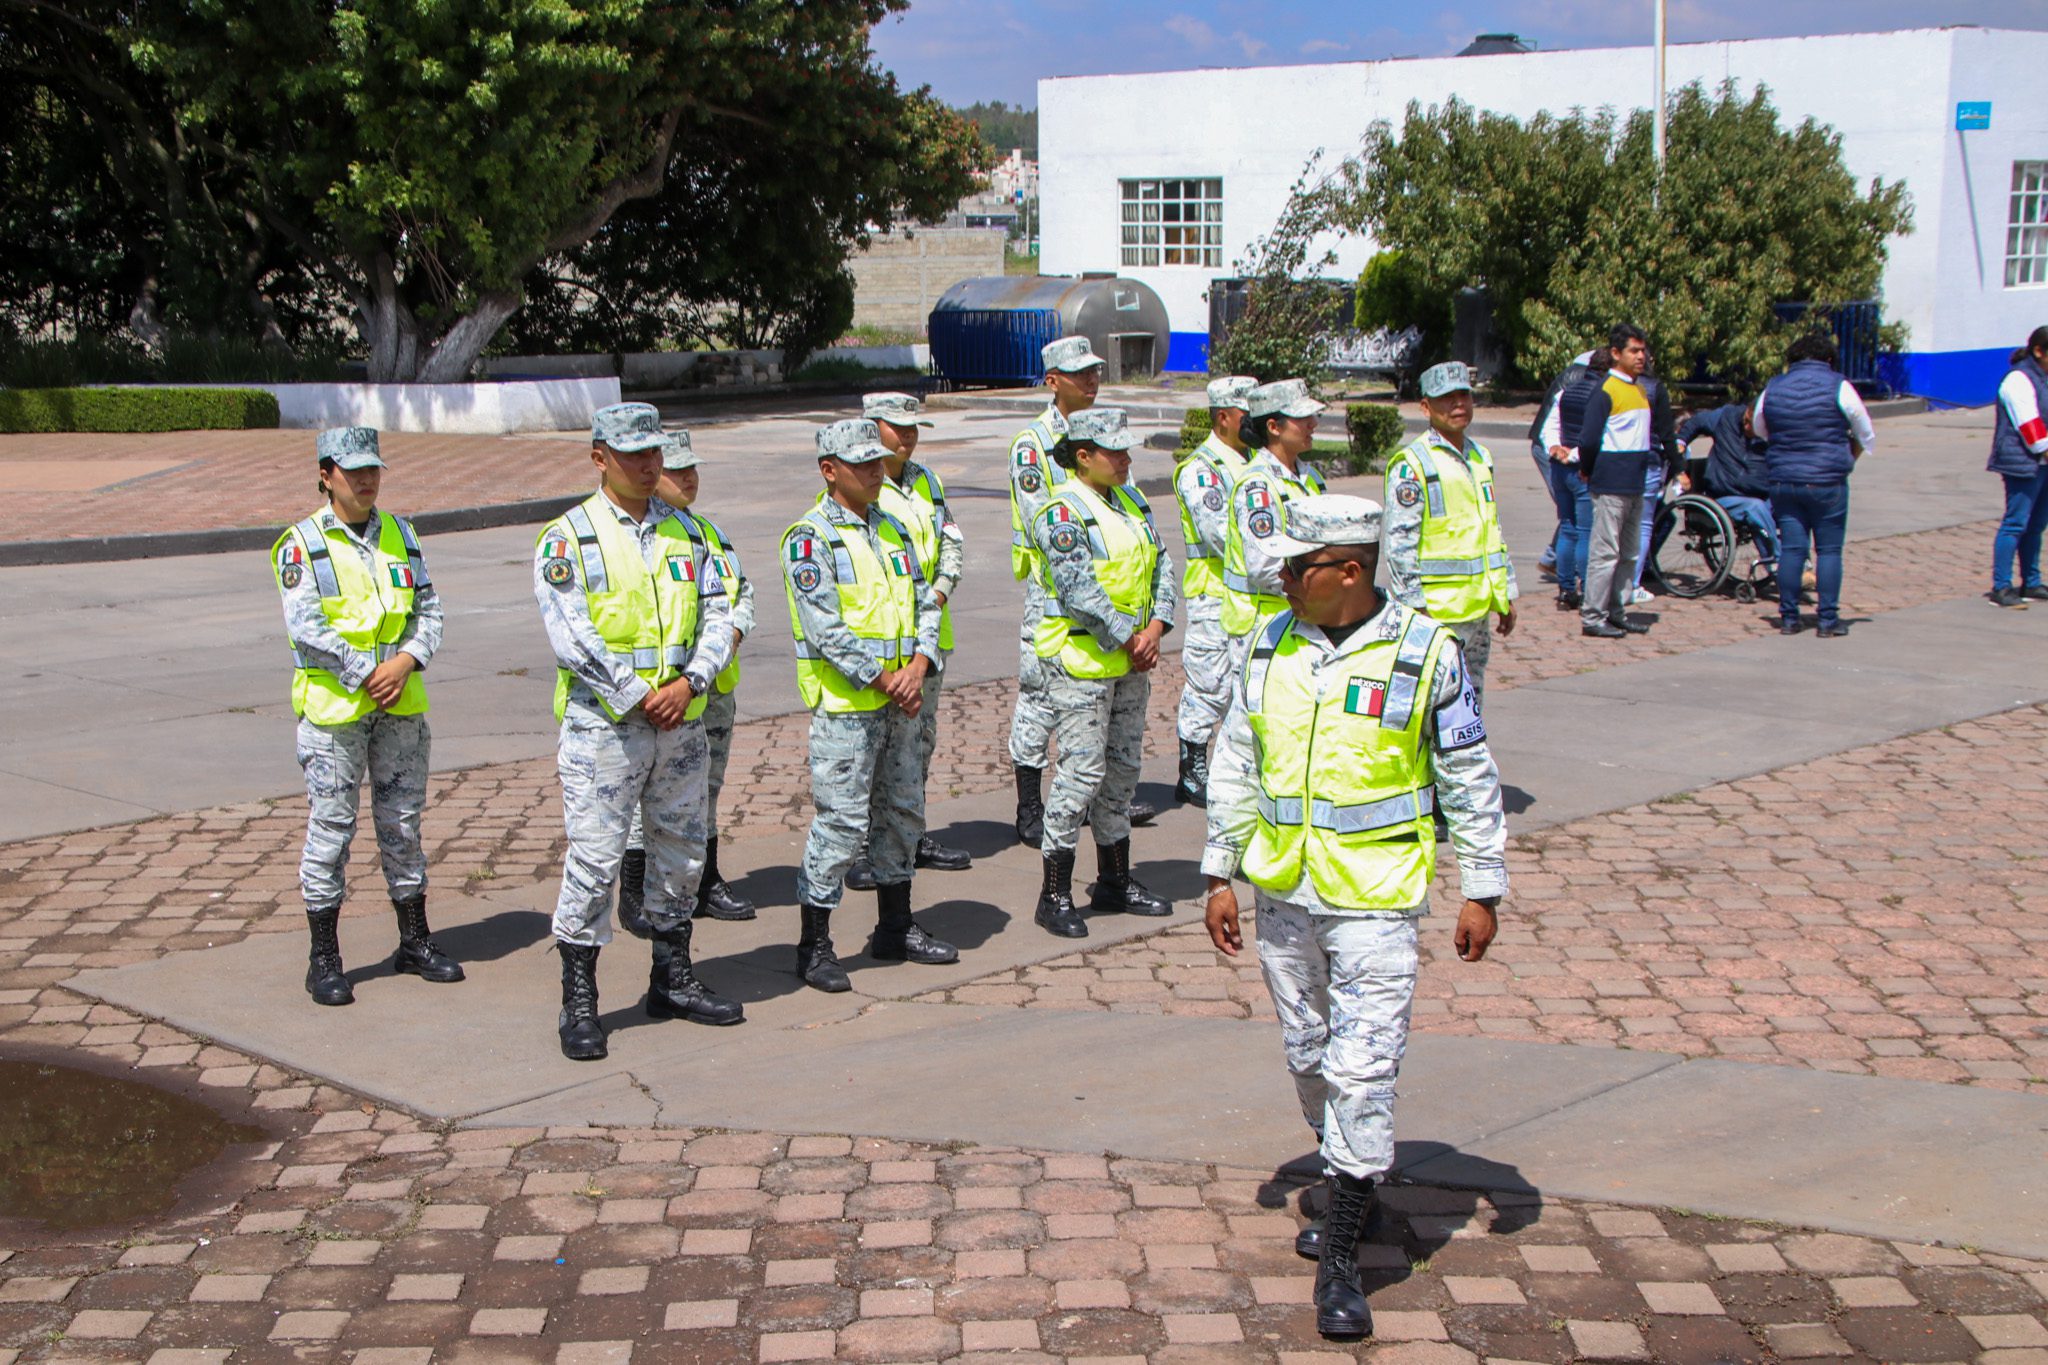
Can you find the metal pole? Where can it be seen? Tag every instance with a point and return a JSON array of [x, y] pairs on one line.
[[1659, 117]]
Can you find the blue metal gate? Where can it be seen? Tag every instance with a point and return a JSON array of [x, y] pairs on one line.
[[1855, 326], [998, 346]]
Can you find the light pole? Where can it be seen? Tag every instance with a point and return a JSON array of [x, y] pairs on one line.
[[1658, 121]]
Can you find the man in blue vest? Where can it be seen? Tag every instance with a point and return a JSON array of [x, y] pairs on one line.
[[1816, 428]]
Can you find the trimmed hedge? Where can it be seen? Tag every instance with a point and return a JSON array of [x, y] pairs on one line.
[[1376, 430], [1194, 429], [140, 409]]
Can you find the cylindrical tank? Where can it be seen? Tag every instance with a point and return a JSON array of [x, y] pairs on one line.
[[988, 330]]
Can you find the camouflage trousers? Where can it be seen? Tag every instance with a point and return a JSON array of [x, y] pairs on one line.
[[611, 770], [1100, 723], [1205, 662], [718, 717], [1343, 986], [392, 752], [1032, 722], [1477, 638], [867, 789]]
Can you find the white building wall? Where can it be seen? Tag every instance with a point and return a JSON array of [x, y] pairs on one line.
[[1889, 95]]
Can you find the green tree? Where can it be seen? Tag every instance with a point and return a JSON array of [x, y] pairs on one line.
[[1393, 294], [1566, 224], [425, 159], [1004, 127], [1289, 309]]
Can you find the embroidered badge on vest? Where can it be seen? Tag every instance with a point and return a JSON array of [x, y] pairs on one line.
[[556, 572], [401, 576], [681, 569], [807, 577], [290, 575], [900, 562], [1365, 698], [802, 547]]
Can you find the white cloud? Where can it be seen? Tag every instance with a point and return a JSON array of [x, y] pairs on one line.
[[1190, 30], [1315, 45], [1253, 48]]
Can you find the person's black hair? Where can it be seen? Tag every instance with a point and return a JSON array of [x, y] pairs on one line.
[[1601, 361], [1066, 452], [326, 468], [1256, 431], [1622, 333], [1815, 345], [2037, 340]]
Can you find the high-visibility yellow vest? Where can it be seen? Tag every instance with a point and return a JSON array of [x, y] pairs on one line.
[[921, 507], [877, 601], [1220, 469], [1123, 546], [647, 616], [1462, 559], [704, 533], [367, 604], [1345, 794], [1260, 491], [1031, 451]]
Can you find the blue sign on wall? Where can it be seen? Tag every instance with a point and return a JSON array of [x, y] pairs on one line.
[[1973, 115]]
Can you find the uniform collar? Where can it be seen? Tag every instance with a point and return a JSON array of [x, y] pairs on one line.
[[1268, 461], [330, 522], [1439, 440], [657, 511], [1054, 423], [1214, 445], [1383, 625], [911, 469], [839, 516]]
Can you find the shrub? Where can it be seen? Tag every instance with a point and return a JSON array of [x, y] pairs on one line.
[[146, 409], [1194, 429], [1376, 429], [91, 360]]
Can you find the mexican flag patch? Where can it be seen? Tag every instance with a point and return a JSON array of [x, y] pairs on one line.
[[1486, 491], [1365, 697], [1205, 477], [556, 548], [900, 562], [401, 576], [682, 570], [802, 547]]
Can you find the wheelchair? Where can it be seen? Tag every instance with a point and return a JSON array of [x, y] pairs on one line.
[[1696, 548]]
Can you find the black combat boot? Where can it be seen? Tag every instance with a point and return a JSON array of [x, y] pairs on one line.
[[582, 1034], [673, 990], [1315, 1202], [1116, 891], [418, 955], [861, 876], [324, 981], [941, 857], [898, 937], [715, 896], [1056, 912], [1341, 1310], [815, 961], [1142, 812], [1030, 805], [1193, 787], [633, 894]]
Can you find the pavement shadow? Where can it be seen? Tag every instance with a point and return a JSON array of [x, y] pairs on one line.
[[1178, 879], [1517, 1203], [982, 838], [495, 936], [1515, 800]]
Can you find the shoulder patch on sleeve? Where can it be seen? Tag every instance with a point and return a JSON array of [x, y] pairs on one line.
[[1213, 499], [1458, 725], [1408, 492], [1064, 537], [807, 576], [290, 575], [557, 572]]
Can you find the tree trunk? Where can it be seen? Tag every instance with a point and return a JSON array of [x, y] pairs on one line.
[[390, 329], [450, 360], [143, 321]]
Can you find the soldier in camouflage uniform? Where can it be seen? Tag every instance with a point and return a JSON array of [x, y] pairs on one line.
[[1073, 372], [1280, 427], [913, 494], [866, 622], [638, 615], [1352, 719], [1109, 599], [715, 897], [1202, 483], [363, 620]]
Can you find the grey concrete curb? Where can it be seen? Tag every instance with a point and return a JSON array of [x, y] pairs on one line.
[[164, 544]]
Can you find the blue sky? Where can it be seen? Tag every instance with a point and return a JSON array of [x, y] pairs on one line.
[[969, 50]]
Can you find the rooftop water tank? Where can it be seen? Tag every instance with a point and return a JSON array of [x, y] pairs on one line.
[[988, 330]]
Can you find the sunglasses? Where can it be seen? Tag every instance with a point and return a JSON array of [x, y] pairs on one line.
[[1300, 565]]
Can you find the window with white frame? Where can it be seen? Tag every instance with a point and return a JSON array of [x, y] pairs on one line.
[[2026, 225], [1173, 222]]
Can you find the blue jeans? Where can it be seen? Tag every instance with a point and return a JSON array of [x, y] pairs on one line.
[[1582, 528], [1653, 501], [1818, 512], [1561, 480], [1754, 513], [2026, 514]]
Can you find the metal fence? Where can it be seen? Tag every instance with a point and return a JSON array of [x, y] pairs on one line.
[[991, 346], [1855, 326]]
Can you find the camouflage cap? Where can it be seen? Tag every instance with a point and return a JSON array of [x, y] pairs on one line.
[[1104, 428], [676, 452], [853, 441], [349, 447], [1232, 391], [1282, 398], [1323, 519], [1069, 355], [627, 427], [897, 409], [1449, 377]]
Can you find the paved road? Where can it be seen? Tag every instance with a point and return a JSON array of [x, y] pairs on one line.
[[159, 685]]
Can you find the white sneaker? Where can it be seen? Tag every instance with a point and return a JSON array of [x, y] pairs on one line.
[[1638, 596]]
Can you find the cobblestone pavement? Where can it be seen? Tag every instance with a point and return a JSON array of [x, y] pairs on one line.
[[1843, 914], [363, 1236]]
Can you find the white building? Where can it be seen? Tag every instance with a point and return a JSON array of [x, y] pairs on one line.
[[1217, 151]]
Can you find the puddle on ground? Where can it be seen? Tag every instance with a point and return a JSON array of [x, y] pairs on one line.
[[78, 1149]]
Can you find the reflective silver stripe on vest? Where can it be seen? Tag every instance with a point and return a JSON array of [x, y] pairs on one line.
[[1260, 659], [1406, 679], [1452, 568], [382, 653], [648, 657], [1371, 815], [412, 553], [1498, 559], [1236, 582], [878, 650], [1285, 811], [317, 558], [1431, 481], [587, 548]]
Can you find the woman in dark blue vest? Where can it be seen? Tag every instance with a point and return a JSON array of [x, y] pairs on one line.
[[1817, 429], [2019, 454]]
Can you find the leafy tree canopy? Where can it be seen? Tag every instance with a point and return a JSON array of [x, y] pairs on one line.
[[1004, 127], [1566, 224]]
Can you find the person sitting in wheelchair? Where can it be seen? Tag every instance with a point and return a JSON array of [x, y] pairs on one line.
[[1733, 472]]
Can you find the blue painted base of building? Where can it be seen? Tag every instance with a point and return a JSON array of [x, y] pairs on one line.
[[1964, 379], [1188, 351]]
